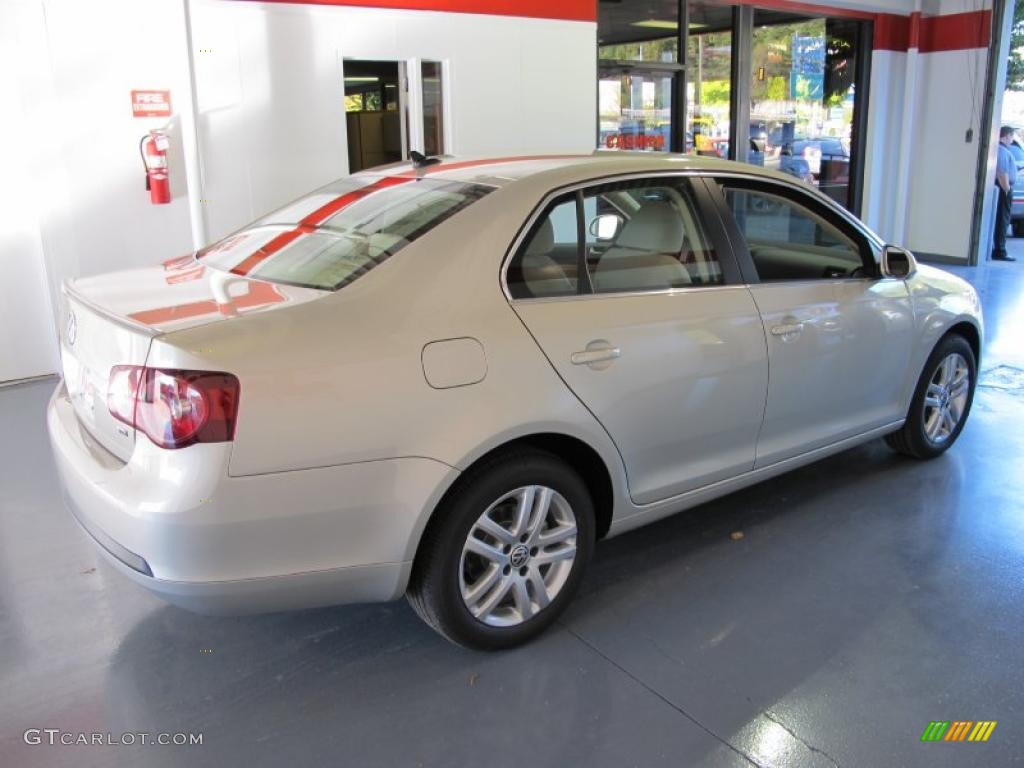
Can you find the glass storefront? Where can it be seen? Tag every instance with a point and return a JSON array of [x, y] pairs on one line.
[[635, 110], [639, 65], [709, 81], [795, 102], [802, 98]]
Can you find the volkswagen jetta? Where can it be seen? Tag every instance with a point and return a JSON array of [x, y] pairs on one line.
[[449, 381]]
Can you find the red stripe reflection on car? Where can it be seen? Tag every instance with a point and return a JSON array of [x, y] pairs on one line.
[[260, 294], [312, 220], [324, 212]]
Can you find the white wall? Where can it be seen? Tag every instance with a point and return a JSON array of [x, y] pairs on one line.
[[26, 327], [886, 112], [943, 163], [920, 182], [271, 93], [78, 204]]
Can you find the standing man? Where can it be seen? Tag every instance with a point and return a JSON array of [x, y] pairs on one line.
[[1006, 177]]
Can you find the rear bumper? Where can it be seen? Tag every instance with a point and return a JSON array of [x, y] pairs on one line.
[[177, 524]]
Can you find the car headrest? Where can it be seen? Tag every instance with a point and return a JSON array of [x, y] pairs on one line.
[[622, 270], [656, 227], [543, 239], [544, 277]]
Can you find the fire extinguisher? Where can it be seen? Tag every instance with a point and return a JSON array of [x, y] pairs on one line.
[[153, 148]]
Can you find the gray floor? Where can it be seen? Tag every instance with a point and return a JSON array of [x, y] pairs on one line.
[[869, 595]]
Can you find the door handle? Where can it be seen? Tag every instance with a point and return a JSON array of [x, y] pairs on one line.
[[787, 329], [598, 355]]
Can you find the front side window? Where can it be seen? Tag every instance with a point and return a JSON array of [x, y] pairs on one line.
[[341, 232], [790, 241], [637, 236]]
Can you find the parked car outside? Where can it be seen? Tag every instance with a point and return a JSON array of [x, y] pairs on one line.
[[449, 381], [1017, 195]]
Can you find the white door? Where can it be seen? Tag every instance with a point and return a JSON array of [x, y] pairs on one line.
[[643, 325], [839, 336]]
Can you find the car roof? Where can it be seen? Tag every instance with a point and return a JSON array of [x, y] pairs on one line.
[[559, 170]]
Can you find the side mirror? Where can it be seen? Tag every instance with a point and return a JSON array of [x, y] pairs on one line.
[[898, 262], [606, 226]]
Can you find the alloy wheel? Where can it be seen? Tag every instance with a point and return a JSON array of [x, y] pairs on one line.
[[518, 556], [945, 400]]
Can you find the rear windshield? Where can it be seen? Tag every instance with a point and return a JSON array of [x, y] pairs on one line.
[[340, 232]]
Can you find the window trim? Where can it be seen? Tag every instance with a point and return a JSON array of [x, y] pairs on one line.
[[817, 202], [706, 211]]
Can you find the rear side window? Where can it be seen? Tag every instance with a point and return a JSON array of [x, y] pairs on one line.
[[648, 236], [547, 263], [637, 236], [340, 233]]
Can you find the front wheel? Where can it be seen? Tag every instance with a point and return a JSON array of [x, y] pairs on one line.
[[941, 401], [505, 552]]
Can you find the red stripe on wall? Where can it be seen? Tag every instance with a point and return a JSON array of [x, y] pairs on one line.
[[914, 33], [933, 34], [567, 10], [956, 32], [892, 33]]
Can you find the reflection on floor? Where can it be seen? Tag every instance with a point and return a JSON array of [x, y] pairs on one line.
[[868, 596]]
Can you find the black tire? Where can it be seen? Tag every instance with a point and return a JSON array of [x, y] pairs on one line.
[[1017, 227], [434, 588], [912, 439]]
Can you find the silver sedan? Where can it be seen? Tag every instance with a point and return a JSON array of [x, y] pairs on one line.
[[448, 381]]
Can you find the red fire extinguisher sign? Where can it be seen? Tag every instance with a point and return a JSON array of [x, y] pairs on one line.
[[151, 103]]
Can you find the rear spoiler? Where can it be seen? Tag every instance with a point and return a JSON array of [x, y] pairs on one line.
[[68, 289]]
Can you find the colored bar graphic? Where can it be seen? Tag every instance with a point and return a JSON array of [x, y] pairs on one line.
[[982, 730], [959, 730]]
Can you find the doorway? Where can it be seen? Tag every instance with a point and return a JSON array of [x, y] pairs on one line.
[[375, 113], [394, 107]]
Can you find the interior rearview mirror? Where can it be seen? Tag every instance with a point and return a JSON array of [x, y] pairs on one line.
[[898, 262], [605, 226]]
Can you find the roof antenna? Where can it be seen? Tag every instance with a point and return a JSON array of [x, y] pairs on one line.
[[420, 160]]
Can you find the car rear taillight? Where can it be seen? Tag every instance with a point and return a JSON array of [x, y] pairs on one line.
[[175, 408]]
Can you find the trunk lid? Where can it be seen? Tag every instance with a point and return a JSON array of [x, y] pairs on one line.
[[111, 320], [92, 343]]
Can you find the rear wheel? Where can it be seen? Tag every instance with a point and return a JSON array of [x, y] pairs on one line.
[[1017, 227], [505, 553], [941, 401]]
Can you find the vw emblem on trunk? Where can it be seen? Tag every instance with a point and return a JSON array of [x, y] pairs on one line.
[[72, 327]]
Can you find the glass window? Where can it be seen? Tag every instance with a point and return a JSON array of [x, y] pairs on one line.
[[635, 110], [646, 237], [638, 52], [638, 31], [341, 236], [642, 236], [802, 98], [790, 241], [433, 109], [709, 83], [546, 265]]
